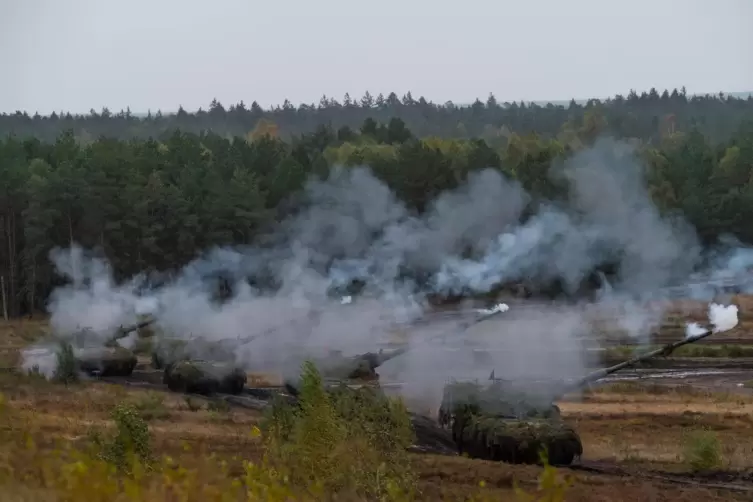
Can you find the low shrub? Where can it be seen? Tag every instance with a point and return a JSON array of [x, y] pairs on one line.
[[702, 450], [66, 371]]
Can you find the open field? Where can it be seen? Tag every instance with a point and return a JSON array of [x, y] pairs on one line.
[[639, 439], [629, 432]]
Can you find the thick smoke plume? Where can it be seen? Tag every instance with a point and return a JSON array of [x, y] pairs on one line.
[[294, 298], [91, 301]]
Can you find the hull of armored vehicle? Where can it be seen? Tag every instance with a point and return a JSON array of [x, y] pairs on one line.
[[517, 441], [500, 424], [204, 377], [360, 367], [105, 361], [169, 351]]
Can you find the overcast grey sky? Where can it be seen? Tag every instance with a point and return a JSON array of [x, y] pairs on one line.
[[75, 55]]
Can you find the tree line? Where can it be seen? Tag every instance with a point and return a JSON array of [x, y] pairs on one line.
[[154, 203], [649, 116]]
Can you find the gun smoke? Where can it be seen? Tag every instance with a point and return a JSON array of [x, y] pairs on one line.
[[354, 229], [722, 318]]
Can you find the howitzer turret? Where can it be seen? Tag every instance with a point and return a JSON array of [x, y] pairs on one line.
[[168, 351], [359, 367], [171, 350], [124, 331], [363, 366]]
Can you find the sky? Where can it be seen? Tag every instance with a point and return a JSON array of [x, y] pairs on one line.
[[75, 55]]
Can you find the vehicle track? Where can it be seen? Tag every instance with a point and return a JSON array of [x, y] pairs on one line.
[[720, 480]]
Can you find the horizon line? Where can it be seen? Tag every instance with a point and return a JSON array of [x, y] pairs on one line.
[[556, 102]]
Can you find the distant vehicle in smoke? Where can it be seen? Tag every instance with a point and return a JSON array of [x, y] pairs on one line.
[[105, 361], [170, 350], [360, 367], [93, 354], [204, 377]]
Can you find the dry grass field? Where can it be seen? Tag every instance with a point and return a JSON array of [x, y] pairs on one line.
[[638, 430], [635, 438]]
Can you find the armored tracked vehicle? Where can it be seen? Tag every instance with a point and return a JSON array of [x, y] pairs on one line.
[[513, 423], [204, 377], [105, 361], [496, 422], [359, 367]]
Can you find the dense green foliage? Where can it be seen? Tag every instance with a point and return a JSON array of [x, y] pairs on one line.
[[345, 439], [152, 204]]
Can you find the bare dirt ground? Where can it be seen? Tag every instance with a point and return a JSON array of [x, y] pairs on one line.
[[636, 431]]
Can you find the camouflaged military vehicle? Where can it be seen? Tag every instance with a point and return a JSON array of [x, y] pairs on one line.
[[513, 423], [204, 377], [358, 367], [105, 361]]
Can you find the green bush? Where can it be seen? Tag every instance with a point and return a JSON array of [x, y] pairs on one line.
[[152, 407], [131, 442], [193, 404], [218, 406], [345, 441], [702, 450], [66, 371]]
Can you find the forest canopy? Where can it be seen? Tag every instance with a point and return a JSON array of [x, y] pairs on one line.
[[648, 115], [153, 192]]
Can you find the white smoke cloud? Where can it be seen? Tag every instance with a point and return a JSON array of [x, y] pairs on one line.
[[694, 330], [41, 358], [353, 228], [92, 301], [722, 318]]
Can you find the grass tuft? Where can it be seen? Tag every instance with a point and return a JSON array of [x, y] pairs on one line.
[[702, 450]]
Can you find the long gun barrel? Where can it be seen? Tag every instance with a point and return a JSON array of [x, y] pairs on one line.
[[377, 359], [125, 331], [466, 325], [664, 351]]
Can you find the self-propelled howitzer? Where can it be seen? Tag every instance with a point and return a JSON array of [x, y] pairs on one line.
[[501, 422], [512, 423], [358, 367]]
